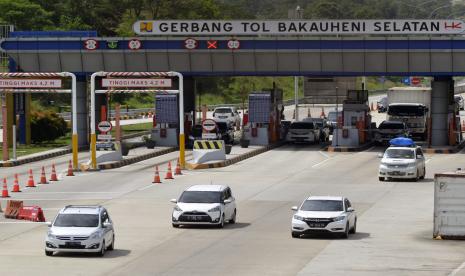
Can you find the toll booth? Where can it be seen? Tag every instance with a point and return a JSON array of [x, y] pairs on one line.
[[166, 120], [353, 125], [263, 127]]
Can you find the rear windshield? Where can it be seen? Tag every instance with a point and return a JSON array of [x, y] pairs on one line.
[[391, 126], [322, 205], [332, 116], [223, 110], [76, 220], [200, 197], [399, 153], [302, 125]]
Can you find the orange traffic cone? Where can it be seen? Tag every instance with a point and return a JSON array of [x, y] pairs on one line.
[[169, 174], [43, 178], [53, 177], [178, 169], [5, 189], [16, 185], [322, 115], [156, 179], [70, 169], [30, 182]]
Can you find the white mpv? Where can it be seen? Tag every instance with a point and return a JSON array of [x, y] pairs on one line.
[[328, 214], [205, 204], [79, 228], [402, 163]]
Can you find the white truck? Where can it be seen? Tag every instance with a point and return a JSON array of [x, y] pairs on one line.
[[412, 106]]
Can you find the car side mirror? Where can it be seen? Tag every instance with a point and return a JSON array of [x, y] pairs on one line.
[[227, 201], [380, 155], [106, 225], [174, 200], [294, 208], [48, 223], [350, 209]]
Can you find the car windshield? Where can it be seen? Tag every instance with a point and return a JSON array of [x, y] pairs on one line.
[[332, 116], [76, 220], [386, 125], [322, 205], [223, 110], [399, 153], [301, 125], [200, 197], [406, 110]]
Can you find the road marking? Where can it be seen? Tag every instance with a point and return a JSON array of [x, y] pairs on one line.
[[21, 222], [426, 162], [457, 270], [322, 162], [146, 187], [77, 193], [58, 199], [324, 154]]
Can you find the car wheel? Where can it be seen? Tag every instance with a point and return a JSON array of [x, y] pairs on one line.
[[381, 178], [233, 219], [221, 225], [112, 245], [354, 229], [424, 174], [295, 235], [48, 253], [346, 232], [175, 225], [102, 251]]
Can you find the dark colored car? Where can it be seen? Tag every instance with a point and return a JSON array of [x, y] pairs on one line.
[[390, 129], [459, 102], [382, 105]]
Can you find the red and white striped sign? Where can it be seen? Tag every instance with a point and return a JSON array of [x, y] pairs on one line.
[[136, 82], [30, 83]]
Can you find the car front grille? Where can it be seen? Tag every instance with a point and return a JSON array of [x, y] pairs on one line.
[[397, 166], [72, 238], [396, 173], [72, 246], [195, 217]]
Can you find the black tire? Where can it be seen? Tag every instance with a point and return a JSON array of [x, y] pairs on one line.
[[221, 224], [233, 219], [424, 174], [381, 178], [112, 245], [175, 225], [295, 235], [345, 235], [102, 251], [48, 253], [354, 229]]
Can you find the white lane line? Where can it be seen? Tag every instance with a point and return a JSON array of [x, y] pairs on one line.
[[21, 222], [324, 154], [457, 270], [58, 199], [426, 162], [146, 187], [45, 193], [322, 162]]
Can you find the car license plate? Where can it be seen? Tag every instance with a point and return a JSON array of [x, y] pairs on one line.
[[195, 217], [317, 225], [73, 244], [223, 117]]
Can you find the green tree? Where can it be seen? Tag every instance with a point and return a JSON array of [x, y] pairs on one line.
[[24, 15]]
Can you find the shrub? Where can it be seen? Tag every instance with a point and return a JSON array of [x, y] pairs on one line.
[[47, 126]]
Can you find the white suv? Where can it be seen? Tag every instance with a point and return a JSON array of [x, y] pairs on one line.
[[228, 115], [79, 228], [324, 214], [402, 163], [205, 204]]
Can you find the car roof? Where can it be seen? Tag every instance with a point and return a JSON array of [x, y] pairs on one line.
[[339, 198], [207, 188], [406, 104], [82, 209], [410, 148]]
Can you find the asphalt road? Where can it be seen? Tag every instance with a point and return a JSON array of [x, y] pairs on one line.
[[394, 227]]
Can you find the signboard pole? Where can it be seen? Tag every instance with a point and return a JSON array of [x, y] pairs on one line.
[[5, 128], [74, 138], [93, 138], [182, 154], [296, 97], [117, 118]]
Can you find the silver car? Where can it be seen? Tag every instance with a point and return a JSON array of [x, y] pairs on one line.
[[80, 228], [402, 163]]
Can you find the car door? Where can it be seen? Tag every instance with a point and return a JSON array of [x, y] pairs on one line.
[[350, 215], [228, 206], [420, 160], [108, 231]]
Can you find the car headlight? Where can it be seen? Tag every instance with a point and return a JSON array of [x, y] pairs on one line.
[[384, 164], [339, 218], [95, 235], [411, 165], [298, 217], [215, 209], [51, 236], [176, 208]]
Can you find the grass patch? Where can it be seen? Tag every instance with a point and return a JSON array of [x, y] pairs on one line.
[[22, 150], [129, 129]]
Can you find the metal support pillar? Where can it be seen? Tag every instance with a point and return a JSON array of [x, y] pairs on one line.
[[442, 90]]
